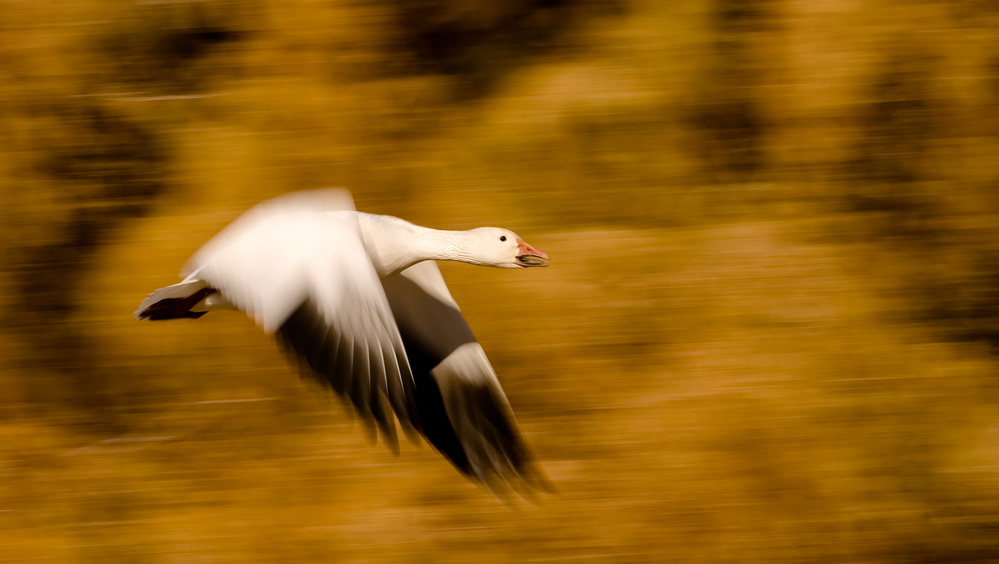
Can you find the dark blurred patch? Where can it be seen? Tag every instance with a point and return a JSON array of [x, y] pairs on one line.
[[163, 45], [723, 112], [973, 13], [905, 127], [964, 307], [987, 121], [481, 41], [751, 15], [120, 160], [107, 169], [99, 168], [905, 115], [903, 121], [730, 132]]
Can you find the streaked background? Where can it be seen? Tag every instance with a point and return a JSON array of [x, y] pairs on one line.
[[769, 331]]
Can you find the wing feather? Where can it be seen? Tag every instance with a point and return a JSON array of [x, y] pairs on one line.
[[462, 409], [307, 277]]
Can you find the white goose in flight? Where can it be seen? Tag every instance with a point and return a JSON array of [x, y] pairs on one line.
[[361, 302]]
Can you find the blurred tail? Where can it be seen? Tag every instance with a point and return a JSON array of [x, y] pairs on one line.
[[174, 302]]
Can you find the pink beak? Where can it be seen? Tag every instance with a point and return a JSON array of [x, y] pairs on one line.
[[529, 256]]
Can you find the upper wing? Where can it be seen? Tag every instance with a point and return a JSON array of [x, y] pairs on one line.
[[307, 277], [462, 409], [283, 209]]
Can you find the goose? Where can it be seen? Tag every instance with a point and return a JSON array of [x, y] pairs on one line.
[[359, 301]]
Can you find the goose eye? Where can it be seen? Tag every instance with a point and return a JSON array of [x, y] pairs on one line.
[[502, 237]]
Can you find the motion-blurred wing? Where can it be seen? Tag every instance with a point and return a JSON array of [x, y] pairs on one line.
[[306, 276], [283, 209], [462, 409]]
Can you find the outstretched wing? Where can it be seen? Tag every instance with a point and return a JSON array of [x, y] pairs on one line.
[[307, 277], [462, 409]]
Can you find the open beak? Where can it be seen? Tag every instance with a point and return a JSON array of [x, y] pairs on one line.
[[529, 256]]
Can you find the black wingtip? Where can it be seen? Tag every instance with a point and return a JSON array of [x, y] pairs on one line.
[[174, 308]]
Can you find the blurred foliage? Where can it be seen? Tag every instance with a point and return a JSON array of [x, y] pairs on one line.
[[769, 332]]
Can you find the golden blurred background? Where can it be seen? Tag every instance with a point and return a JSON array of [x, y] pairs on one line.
[[769, 332]]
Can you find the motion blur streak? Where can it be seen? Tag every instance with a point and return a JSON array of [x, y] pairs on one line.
[[769, 331]]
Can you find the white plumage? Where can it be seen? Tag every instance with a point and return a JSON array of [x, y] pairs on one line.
[[360, 301]]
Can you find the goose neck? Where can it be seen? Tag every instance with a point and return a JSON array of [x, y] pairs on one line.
[[395, 244]]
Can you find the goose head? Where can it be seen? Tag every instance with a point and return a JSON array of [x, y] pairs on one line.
[[502, 248]]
